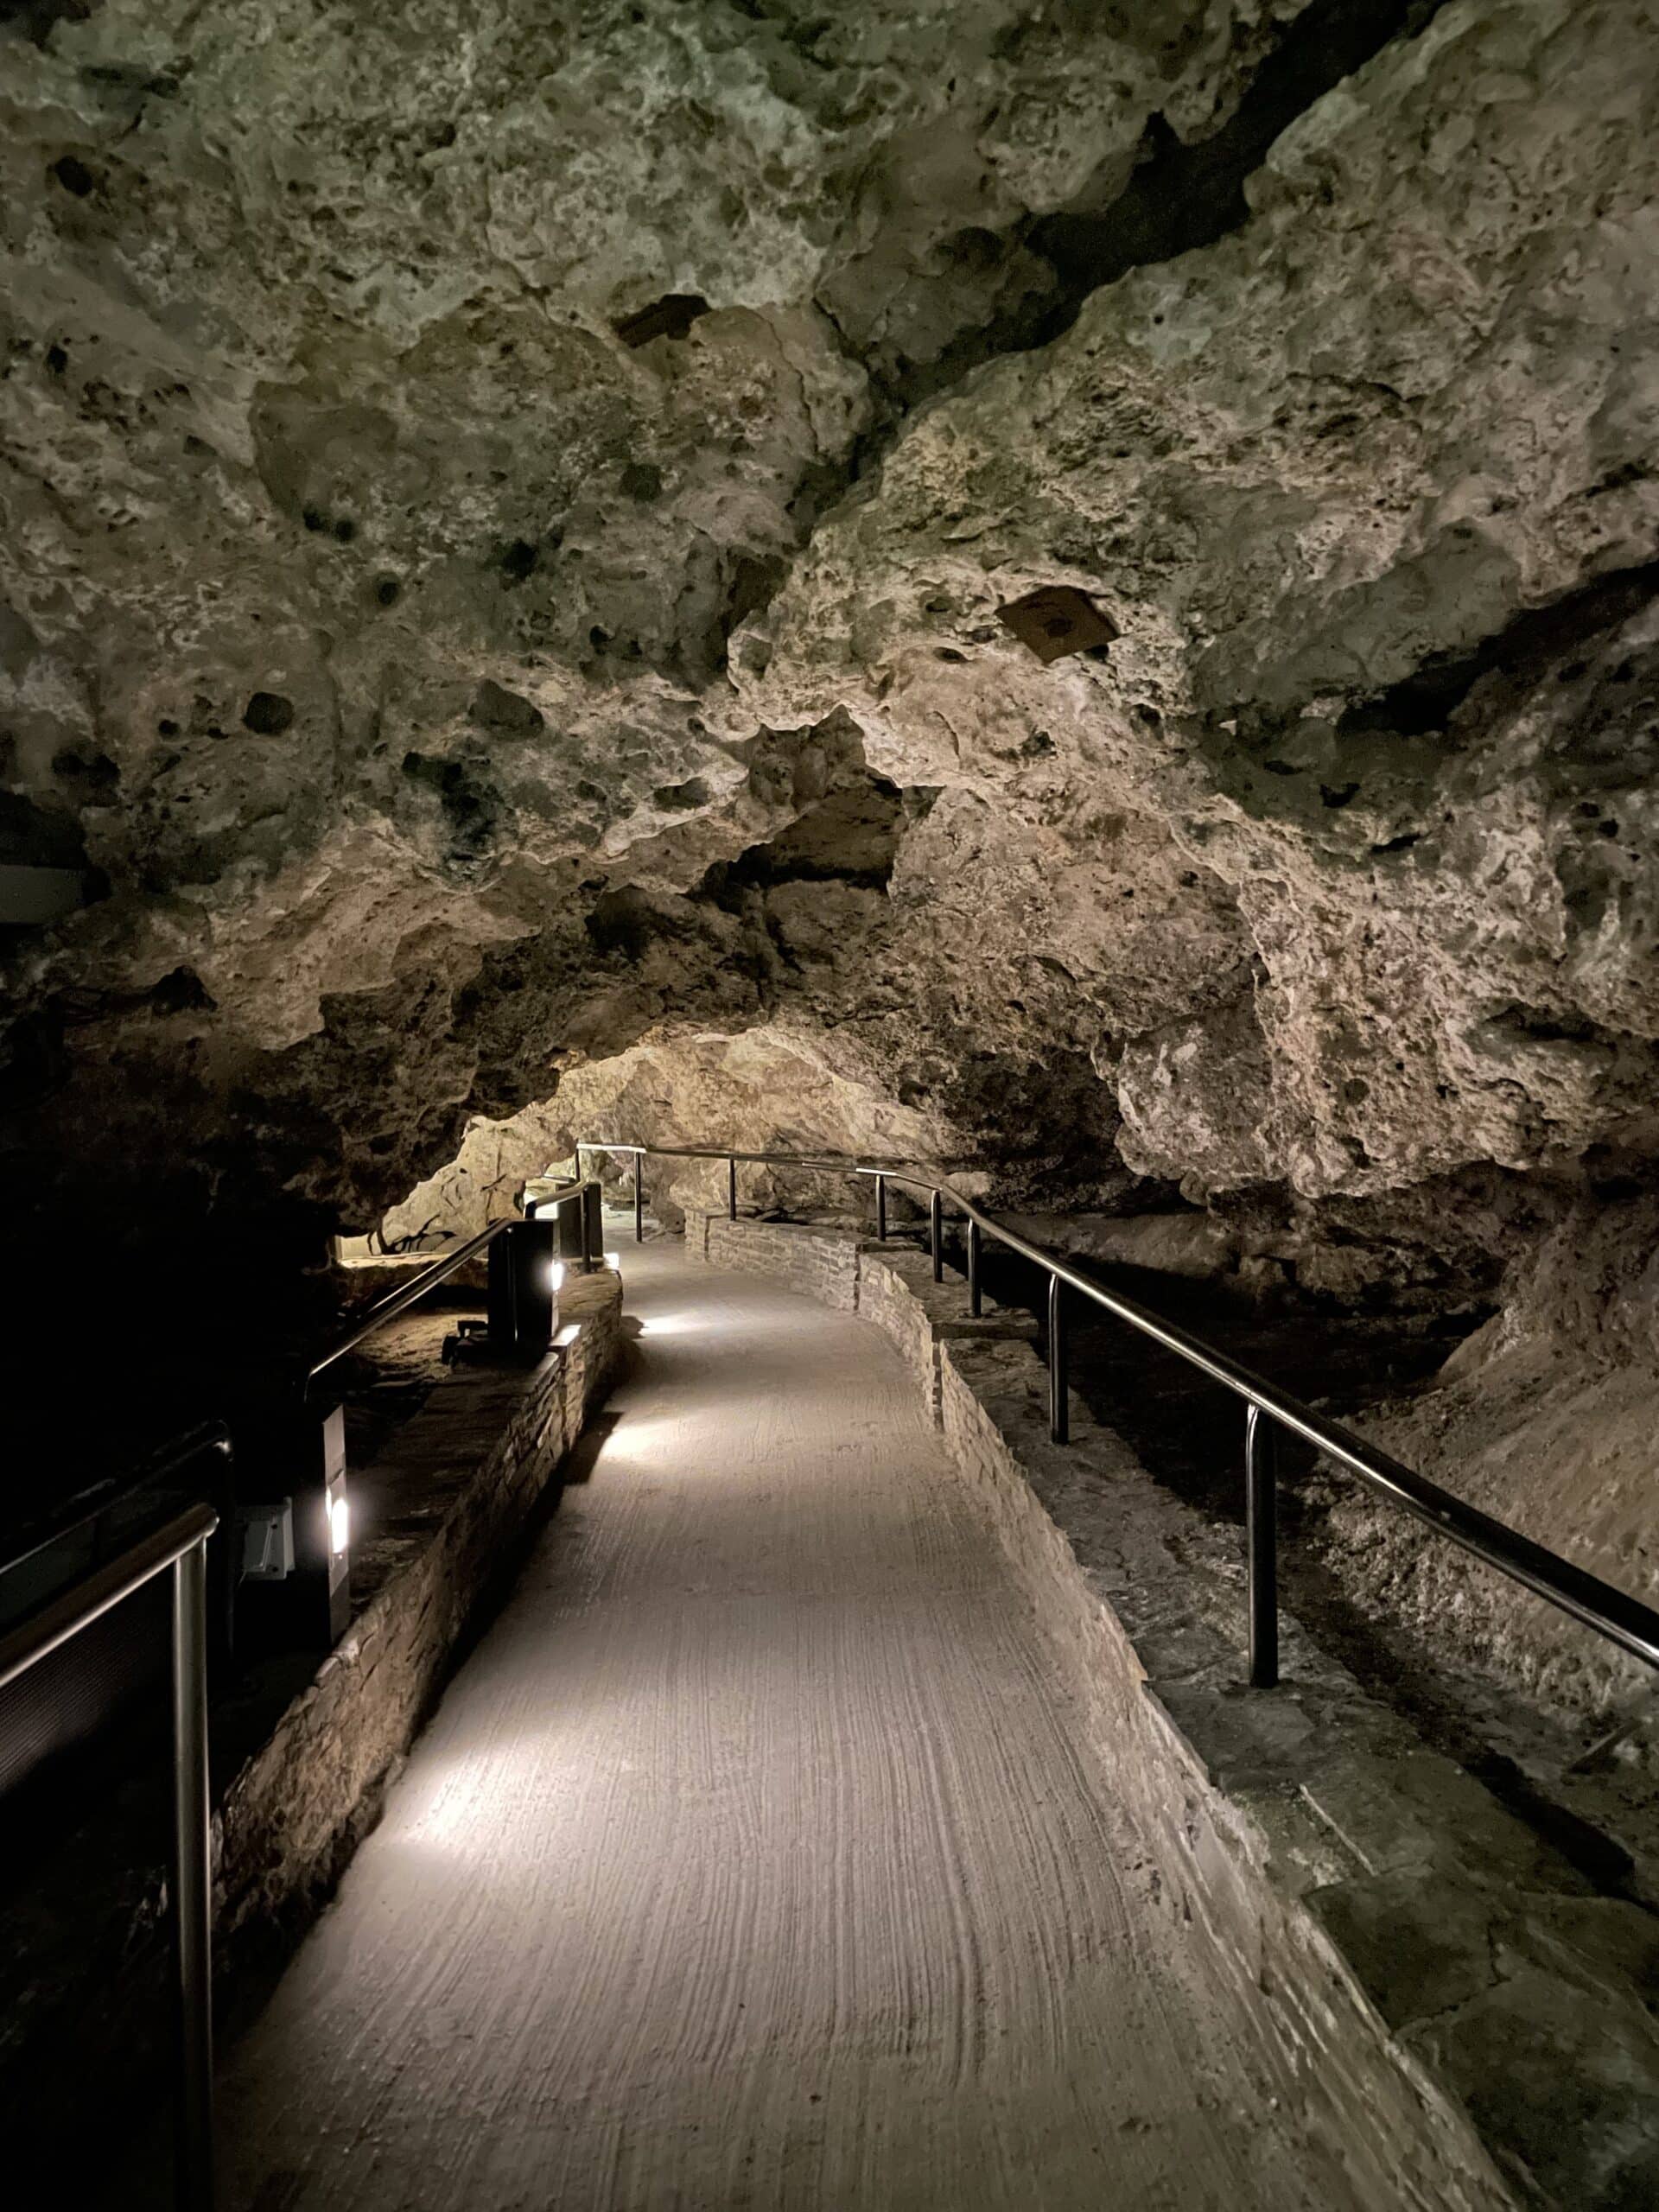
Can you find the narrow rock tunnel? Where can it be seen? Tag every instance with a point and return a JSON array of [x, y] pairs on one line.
[[1057, 602]]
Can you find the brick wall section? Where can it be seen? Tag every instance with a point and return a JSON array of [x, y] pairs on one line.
[[1430, 1984], [889, 1284], [887, 1296], [822, 1264], [896, 1290], [484, 1446]]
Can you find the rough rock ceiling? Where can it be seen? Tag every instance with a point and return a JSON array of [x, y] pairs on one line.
[[506, 511]]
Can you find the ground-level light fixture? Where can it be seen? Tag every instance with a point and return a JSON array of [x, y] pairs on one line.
[[336, 1528], [294, 1574], [525, 1277], [303, 1541]]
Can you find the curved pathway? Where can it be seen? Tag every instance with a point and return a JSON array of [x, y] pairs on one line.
[[752, 1858]]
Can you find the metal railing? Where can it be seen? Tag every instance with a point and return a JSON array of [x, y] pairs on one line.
[[180, 1544], [1612, 1612], [400, 1298]]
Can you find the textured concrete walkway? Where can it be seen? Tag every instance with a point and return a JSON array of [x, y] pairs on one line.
[[751, 1860]]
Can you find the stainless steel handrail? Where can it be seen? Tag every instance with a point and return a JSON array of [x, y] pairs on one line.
[[406, 1294], [399, 1299], [181, 1545], [86, 1506], [1613, 1614]]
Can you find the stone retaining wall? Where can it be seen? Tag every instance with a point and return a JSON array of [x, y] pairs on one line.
[[451, 1498], [888, 1284], [824, 1268], [301, 1758], [1448, 2003]]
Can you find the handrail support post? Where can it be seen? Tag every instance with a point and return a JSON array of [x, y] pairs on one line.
[[1261, 1541], [1060, 1410], [881, 1209], [1624, 1620], [974, 1301], [638, 1197], [936, 1235], [191, 1884]]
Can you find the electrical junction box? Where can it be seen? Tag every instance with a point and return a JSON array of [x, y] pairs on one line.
[[267, 1541]]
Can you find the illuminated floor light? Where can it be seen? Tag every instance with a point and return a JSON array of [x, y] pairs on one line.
[[675, 1324]]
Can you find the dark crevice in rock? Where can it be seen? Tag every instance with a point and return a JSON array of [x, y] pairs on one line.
[[34, 1065], [626, 922], [1183, 196], [1523, 651], [671, 317], [182, 991], [38, 19], [520, 560], [471, 806], [850, 837], [1600, 1859], [268, 714], [38, 836], [74, 176], [752, 583], [683, 798]]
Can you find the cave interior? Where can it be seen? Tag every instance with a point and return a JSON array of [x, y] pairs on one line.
[[1067, 593]]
